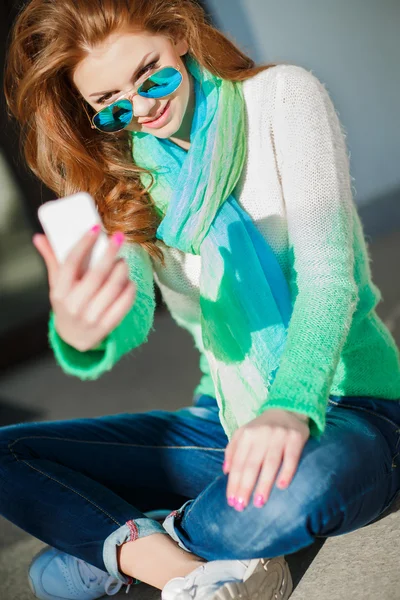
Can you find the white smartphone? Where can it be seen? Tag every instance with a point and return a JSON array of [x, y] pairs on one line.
[[66, 220]]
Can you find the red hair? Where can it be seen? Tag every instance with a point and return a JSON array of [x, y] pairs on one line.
[[49, 38]]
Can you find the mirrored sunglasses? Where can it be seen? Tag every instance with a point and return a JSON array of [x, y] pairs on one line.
[[119, 114]]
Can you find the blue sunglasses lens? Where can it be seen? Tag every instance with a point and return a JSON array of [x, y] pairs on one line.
[[118, 115], [161, 84], [114, 117]]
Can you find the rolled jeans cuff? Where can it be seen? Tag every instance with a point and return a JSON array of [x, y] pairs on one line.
[[129, 532], [172, 519]]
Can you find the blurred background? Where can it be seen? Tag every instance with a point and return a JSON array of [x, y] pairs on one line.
[[354, 48]]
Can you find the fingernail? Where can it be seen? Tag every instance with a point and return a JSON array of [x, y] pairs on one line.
[[259, 501], [231, 500], [95, 228], [224, 466], [239, 505], [118, 238]]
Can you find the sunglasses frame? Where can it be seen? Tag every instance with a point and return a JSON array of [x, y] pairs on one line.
[[129, 93]]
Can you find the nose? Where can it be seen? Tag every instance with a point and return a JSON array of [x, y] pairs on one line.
[[142, 106]]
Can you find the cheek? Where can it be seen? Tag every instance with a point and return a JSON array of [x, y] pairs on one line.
[[178, 105], [186, 86], [183, 97]]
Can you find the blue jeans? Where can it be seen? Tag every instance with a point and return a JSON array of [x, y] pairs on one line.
[[83, 485]]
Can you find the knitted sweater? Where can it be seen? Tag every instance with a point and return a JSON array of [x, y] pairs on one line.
[[296, 186]]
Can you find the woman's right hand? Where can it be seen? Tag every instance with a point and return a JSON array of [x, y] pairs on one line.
[[88, 303]]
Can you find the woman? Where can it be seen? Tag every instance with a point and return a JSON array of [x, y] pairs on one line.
[[230, 185]]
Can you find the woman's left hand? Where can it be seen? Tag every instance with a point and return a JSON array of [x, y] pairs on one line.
[[257, 450]]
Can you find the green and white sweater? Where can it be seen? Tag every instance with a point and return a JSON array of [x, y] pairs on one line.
[[296, 186]]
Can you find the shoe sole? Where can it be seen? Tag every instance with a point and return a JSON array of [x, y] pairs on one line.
[[270, 580]]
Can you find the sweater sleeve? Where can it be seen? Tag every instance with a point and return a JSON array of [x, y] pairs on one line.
[[314, 173], [131, 332]]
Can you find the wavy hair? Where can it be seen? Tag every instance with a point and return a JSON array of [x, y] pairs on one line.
[[48, 40]]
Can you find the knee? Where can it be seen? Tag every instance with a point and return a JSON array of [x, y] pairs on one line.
[[7, 437], [10, 438], [288, 515], [282, 515]]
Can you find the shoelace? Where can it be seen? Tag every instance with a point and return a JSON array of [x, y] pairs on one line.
[[191, 588], [190, 591], [186, 594], [89, 577]]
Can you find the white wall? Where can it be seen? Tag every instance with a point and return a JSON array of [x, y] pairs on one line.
[[353, 46]]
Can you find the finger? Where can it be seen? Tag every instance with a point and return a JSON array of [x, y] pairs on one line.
[[73, 266], [94, 277], [292, 454], [272, 462], [242, 450], [251, 471], [229, 452], [108, 294], [88, 287], [112, 318], [42, 244]]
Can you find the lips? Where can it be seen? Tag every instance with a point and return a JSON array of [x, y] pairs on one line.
[[143, 122]]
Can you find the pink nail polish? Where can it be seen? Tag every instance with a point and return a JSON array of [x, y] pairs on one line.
[[118, 238], [231, 500], [95, 228], [239, 505], [259, 501], [224, 466]]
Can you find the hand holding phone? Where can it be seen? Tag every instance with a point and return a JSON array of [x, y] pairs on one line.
[[89, 297], [66, 220]]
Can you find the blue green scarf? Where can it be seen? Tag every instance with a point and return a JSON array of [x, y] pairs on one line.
[[244, 298]]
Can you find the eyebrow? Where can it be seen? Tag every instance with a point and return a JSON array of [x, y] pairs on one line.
[[134, 76]]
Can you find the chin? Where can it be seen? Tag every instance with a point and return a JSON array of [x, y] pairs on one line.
[[163, 133], [167, 131]]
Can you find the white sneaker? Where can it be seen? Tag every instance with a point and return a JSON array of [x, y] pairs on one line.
[[55, 575], [259, 578]]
